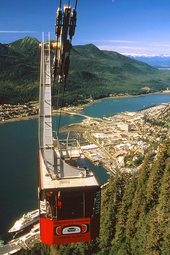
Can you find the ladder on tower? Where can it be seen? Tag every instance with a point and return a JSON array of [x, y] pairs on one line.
[[45, 114]]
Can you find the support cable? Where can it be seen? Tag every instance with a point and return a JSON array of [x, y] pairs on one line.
[[60, 59], [61, 107], [75, 4]]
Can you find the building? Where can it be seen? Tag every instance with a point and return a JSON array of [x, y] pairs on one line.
[[125, 127]]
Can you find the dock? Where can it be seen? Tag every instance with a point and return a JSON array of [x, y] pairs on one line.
[[25, 242]]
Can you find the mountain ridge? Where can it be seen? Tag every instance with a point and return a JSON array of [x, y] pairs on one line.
[[157, 60], [94, 73]]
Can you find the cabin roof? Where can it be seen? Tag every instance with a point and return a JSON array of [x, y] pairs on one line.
[[48, 183]]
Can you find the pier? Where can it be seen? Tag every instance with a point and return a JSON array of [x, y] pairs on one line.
[[25, 242]]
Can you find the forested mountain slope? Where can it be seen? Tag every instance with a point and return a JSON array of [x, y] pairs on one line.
[[19, 71], [93, 73], [135, 214]]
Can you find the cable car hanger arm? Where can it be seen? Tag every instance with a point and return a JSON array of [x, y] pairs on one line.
[[65, 25]]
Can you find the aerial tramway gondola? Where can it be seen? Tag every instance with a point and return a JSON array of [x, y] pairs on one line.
[[69, 194]]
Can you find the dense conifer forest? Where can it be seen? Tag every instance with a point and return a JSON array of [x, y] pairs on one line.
[[93, 74], [135, 213]]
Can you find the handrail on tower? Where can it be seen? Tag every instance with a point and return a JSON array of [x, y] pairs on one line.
[[45, 108]]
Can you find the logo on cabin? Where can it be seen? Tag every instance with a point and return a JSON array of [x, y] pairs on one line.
[[71, 229], [42, 207]]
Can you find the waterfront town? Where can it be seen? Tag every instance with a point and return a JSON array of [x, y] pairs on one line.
[[121, 141], [25, 241], [118, 142], [14, 112]]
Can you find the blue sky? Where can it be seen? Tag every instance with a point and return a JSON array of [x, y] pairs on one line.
[[125, 26]]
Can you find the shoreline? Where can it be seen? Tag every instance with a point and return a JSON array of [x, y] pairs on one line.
[[84, 105], [120, 97], [19, 119]]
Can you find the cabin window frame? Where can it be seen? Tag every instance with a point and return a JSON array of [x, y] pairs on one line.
[[60, 211]]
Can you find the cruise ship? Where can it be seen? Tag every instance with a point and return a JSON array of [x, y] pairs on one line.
[[26, 220]]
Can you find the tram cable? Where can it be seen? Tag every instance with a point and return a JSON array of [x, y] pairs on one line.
[[66, 21], [61, 107]]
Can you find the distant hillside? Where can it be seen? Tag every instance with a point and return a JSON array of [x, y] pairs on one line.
[[93, 74], [19, 60], [19, 71], [28, 47], [157, 60]]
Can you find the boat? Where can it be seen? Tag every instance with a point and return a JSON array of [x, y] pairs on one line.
[[1, 242], [25, 221]]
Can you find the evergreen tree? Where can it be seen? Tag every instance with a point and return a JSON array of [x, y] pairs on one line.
[[163, 209], [137, 209], [135, 214], [120, 236], [108, 223], [152, 241], [154, 182]]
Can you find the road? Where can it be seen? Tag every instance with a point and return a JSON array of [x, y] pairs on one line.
[[88, 137]]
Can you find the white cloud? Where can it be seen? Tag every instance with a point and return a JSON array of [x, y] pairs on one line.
[[109, 41], [119, 41], [16, 32], [157, 44], [143, 49], [114, 47]]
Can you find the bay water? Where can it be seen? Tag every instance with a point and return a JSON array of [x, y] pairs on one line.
[[18, 156], [131, 104]]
